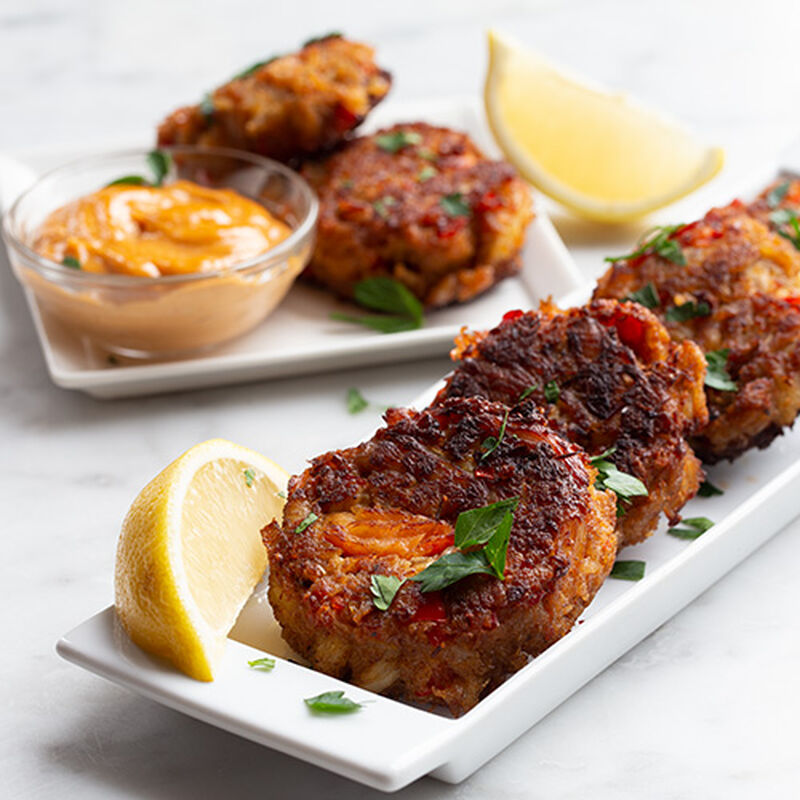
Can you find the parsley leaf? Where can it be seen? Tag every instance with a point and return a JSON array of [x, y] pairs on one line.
[[129, 180], [647, 296], [783, 216], [383, 205], [207, 106], [490, 526], [159, 163], [451, 568], [249, 477], [707, 489], [426, 173], [691, 528], [477, 526], [389, 295], [491, 443], [717, 376], [263, 664], [383, 323], [622, 484], [71, 262], [628, 570], [355, 401], [331, 703], [397, 140], [253, 68], [551, 392], [309, 520], [776, 194], [282, 494], [384, 588], [687, 311], [317, 39], [455, 205], [657, 241], [526, 393]]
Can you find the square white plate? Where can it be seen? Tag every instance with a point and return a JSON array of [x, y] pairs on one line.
[[299, 337], [388, 744]]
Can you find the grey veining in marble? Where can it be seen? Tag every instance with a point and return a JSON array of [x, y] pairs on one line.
[[706, 707]]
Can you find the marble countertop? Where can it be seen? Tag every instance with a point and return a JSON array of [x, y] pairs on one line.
[[707, 706]]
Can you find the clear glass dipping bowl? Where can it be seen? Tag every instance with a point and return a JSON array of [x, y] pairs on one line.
[[176, 314]]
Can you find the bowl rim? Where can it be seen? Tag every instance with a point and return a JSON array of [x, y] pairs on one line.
[[265, 261]]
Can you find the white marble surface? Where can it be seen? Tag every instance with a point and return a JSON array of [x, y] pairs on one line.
[[705, 707]]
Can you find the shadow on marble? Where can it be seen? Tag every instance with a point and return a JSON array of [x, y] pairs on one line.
[[138, 748]]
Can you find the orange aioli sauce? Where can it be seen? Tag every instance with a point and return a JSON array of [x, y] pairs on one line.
[[150, 231]]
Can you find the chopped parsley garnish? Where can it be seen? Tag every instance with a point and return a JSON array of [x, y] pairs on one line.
[[355, 401], [783, 216], [628, 570], [332, 703], [491, 443], [71, 262], [657, 241], [776, 194], [253, 68], [707, 489], [383, 205], [129, 180], [526, 393], [159, 163], [426, 173], [647, 296], [403, 312], [249, 477], [317, 39], [263, 664], [551, 392], [384, 588], [397, 140], [622, 484], [717, 376], [282, 494], [489, 528], [455, 205], [309, 520], [687, 311], [428, 155], [691, 527], [207, 105]]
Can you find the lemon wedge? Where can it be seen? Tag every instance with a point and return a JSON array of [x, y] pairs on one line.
[[190, 552], [596, 152]]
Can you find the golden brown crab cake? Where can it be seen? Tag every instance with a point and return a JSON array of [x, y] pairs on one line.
[[422, 205], [731, 286], [289, 107], [388, 507], [607, 376]]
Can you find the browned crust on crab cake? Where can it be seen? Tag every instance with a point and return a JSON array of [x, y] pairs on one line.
[[389, 506], [387, 214], [293, 106], [750, 278], [622, 383]]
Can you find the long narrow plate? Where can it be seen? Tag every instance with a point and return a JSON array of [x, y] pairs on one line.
[[299, 337], [388, 744]]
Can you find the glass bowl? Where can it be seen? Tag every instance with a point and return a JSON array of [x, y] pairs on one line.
[[140, 317]]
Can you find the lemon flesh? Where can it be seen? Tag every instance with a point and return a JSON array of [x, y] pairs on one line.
[[190, 552], [596, 152]]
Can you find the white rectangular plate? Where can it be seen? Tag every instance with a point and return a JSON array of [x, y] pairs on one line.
[[388, 744], [299, 337]]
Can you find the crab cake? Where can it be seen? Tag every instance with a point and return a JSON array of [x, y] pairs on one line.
[[607, 376], [288, 107], [388, 507], [729, 283], [421, 205]]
